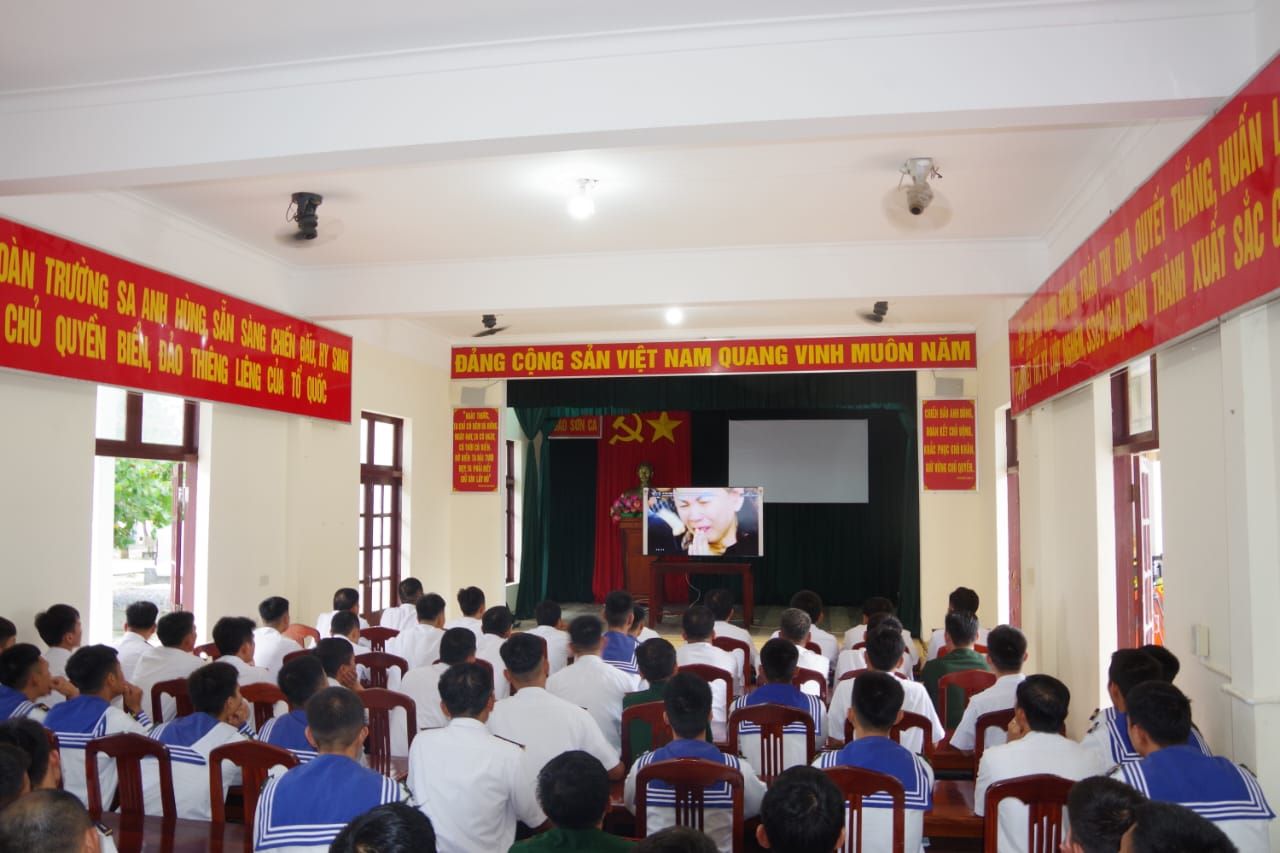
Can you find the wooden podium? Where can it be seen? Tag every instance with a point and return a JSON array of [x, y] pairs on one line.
[[635, 565]]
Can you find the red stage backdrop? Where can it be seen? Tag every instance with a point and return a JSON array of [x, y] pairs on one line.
[[663, 440]]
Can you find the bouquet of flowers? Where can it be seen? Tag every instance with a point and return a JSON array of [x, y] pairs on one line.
[[627, 505]]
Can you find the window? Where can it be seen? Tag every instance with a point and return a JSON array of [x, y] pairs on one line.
[[378, 544]]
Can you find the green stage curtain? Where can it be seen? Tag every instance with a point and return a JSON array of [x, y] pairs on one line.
[[534, 533], [572, 542]]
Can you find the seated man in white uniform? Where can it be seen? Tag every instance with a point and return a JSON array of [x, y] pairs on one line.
[[495, 629], [344, 599], [234, 637], [796, 628], [422, 685], [551, 628], [139, 627], [174, 659], [851, 660], [59, 627], [1163, 827], [1006, 652], [545, 725], [219, 713], [419, 643], [858, 633], [339, 661], [471, 608], [1174, 770], [720, 603], [270, 643], [304, 809], [405, 613], [638, 629], [803, 811], [962, 599], [688, 710], [590, 682], [1034, 747], [619, 643], [778, 663], [25, 681], [345, 626], [299, 680], [487, 784], [698, 630]]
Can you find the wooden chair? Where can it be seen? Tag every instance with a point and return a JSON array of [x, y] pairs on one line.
[[813, 647], [1046, 798], [709, 673], [300, 633], [378, 636], [295, 655], [209, 651], [379, 702], [175, 687], [772, 720], [979, 648], [853, 673], [128, 751], [689, 777], [255, 760], [263, 697], [856, 783], [649, 714], [804, 676], [992, 720], [379, 664], [970, 681], [857, 647], [733, 645], [909, 721]]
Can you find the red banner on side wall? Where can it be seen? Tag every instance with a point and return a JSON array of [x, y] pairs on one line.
[[1199, 239], [69, 310], [475, 450], [948, 446]]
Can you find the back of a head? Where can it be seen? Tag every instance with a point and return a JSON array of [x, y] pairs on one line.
[[230, 633], [8, 630], [89, 666], [699, 624], [962, 627], [573, 789], [778, 659], [17, 664], [141, 615], [677, 839], [173, 628], [638, 617], [335, 716], [497, 620], [885, 647], [31, 738], [345, 598], [471, 601], [389, 828], [522, 655], [687, 701], [1101, 810], [810, 602], [465, 689], [585, 632], [1170, 666], [456, 645], [877, 604], [720, 602], [343, 624], [547, 613], [273, 609], [794, 624], [617, 608], [963, 598], [1169, 828], [1045, 700], [1131, 667], [211, 686], [877, 699], [1007, 647], [15, 765], [1162, 710], [410, 589], [301, 678], [56, 622], [429, 607], [656, 659], [333, 653], [50, 821], [803, 812]]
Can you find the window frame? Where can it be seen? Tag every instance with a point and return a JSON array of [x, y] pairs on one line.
[[374, 476]]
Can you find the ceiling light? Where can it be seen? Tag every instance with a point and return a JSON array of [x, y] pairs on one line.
[[675, 316], [581, 204]]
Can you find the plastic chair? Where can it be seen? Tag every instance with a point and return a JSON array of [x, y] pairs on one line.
[[263, 697], [255, 760], [853, 673], [175, 687], [300, 633], [1046, 798], [709, 673], [378, 636], [379, 702], [209, 651], [970, 681], [772, 720], [856, 783], [804, 676], [733, 645], [128, 751], [689, 777], [651, 715], [379, 663], [992, 720]]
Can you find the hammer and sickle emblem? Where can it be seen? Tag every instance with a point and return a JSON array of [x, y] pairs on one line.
[[634, 433]]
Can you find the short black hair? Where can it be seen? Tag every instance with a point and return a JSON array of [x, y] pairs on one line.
[[345, 598], [89, 666], [388, 828], [173, 628], [656, 659], [1006, 646], [802, 811], [638, 616], [778, 659], [430, 606], [687, 701], [963, 598], [333, 653], [343, 623], [877, 699], [232, 632], [7, 629], [465, 689], [617, 607], [335, 716], [884, 647], [795, 624], [1161, 827], [17, 664], [409, 590], [273, 609], [522, 654], [699, 623], [1131, 667], [585, 631], [51, 821], [677, 839], [471, 600], [211, 686], [302, 678], [877, 604], [547, 612], [720, 602], [1170, 666], [456, 645], [1101, 810], [1161, 710], [31, 737], [962, 627], [497, 620], [810, 602], [141, 615], [1045, 700], [15, 769], [56, 622], [573, 789]]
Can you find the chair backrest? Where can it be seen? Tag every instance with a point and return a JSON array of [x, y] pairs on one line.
[[804, 676], [709, 673], [648, 714], [915, 721], [970, 681], [50, 736], [175, 687], [1046, 798], [772, 719], [979, 648], [733, 645], [300, 633], [263, 697], [689, 777], [209, 651], [255, 760], [813, 647], [859, 646], [295, 655], [128, 750], [378, 636], [991, 720], [853, 673], [379, 702], [379, 663], [856, 783]]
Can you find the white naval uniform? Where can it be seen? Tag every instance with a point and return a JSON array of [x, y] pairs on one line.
[[474, 787], [858, 634], [418, 644], [599, 687], [1000, 696], [939, 639], [823, 640], [884, 756], [324, 619], [733, 632], [422, 685], [705, 653], [489, 648], [813, 662], [14, 705], [247, 673], [57, 658], [129, 651], [399, 617], [1109, 738], [647, 634], [557, 646], [471, 623], [80, 720], [546, 725], [855, 659], [915, 699], [164, 663], [1034, 752], [270, 648], [189, 740]]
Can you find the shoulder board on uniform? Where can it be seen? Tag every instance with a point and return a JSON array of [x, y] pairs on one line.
[[103, 828], [1246, 768], [1115, 772], [42, 707], [510, 741], [1094, 715]]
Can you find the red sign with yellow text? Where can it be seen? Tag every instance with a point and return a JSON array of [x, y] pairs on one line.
[[691, 358], [69, 310], [579, 426], [948, 446], [1199, 239], [475, 450]]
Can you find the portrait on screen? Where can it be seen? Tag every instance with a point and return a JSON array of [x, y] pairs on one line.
[[704, 521]]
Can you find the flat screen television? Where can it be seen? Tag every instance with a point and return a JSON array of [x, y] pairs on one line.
[[704, 521]]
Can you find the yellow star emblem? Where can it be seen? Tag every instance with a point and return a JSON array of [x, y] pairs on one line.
[[664, 427]]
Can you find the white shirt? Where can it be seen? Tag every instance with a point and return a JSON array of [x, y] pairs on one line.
[[190, 762], [1000, 696], [399, 617], [471, 623], [323, 620], [270, 647], [57, 658], [546, 725], [823, 640], [129, 651], [163, 664], [733, 632], [858, 634], [418, 644], [939, 639], [473, 786], [813, 662], [1035, 752], [557, 646], [595, 685], [422, 685], [705, 653], [852, 659], [647, 634], [915, 699], [489, 648], [247, 672]]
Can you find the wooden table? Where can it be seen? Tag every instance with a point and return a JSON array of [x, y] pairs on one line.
[[135, 835], [658, 568], [952, 815]]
